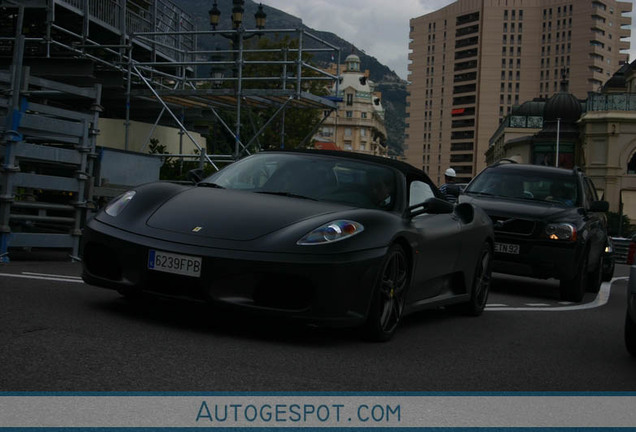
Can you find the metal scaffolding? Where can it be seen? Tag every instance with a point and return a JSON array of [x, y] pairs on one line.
[[58, 59]]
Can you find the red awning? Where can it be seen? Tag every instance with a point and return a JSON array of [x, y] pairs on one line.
[[456, 111], [326, 146]]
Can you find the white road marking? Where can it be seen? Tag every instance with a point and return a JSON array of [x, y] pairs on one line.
[[50, 275], [537, 304], [57, 279], [601, 299]]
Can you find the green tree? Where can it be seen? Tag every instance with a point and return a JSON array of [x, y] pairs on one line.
[[619, 225], [290, 128]]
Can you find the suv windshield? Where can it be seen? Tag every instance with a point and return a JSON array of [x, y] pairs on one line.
[[550, 187]]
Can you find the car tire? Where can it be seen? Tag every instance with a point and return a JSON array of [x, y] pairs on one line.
[[608, 272], [573, 289], [630, 334], [481, 284], [387, 303], [595, 278]]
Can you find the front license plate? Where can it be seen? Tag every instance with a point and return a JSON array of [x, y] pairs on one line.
[[507, 248], [174, 263]]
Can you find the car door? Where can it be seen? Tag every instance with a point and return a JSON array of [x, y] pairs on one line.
[[438, 245]]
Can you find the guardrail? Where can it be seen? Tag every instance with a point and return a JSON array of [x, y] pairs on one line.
[[621, 249]]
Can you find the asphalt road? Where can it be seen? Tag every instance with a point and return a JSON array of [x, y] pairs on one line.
[[58, 334]]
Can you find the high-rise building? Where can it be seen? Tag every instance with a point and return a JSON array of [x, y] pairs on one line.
[[473, 60]]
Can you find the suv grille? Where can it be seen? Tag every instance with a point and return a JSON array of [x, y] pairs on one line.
[[514, 226]]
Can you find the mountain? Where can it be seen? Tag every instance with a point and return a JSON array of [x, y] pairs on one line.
[[393, 88]]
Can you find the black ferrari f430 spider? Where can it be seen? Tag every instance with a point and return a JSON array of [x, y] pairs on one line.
[[324, 237]]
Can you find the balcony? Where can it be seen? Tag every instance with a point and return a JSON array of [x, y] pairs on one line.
[[462, 43], [467, 19], [469, 76], [465, 31], [472, 64], [466, 54], [611, 102]]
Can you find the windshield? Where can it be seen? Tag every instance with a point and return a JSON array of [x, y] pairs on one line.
[[556, 188], [320, 178]]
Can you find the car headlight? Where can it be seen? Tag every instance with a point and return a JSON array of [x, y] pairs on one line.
[[331, 232], [118, 204], [561, 231]]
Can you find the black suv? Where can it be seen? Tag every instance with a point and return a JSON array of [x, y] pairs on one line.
[[549, 223]]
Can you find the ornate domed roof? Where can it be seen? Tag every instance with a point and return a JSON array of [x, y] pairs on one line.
[[533, 108], [353, 63], [563, 105]]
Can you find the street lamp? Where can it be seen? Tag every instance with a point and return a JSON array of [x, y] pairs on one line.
[[215, 15], [237, 15], [260, 16], [237, 37], [237, 12]]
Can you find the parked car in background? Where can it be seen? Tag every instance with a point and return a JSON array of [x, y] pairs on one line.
[[327, 238], [549, 223], [630, 316]]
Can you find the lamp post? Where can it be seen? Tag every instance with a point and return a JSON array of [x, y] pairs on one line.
[[556, 163], [237, 37], [238, 11]]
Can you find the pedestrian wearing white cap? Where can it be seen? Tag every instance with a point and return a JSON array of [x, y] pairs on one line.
[[449, 178]]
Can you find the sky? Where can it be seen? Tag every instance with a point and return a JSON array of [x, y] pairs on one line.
[[379, 27]]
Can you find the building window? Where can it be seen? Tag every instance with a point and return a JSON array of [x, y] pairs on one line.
[[363, 115], [349, 99], [347, 132], [349, 114]]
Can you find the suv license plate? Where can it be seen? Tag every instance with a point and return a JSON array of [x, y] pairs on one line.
[[174, 263], [507, 248]]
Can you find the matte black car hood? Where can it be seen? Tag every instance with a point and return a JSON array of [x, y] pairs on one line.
[[532, 210], [233, 215]]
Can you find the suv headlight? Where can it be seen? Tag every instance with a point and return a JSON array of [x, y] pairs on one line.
[[561, 231]]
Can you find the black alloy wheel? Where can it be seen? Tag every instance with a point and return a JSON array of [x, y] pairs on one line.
[[480, 288], [387, 304], [481, 283], [595, 278], [573, 289], [630, 334], [608, 269]]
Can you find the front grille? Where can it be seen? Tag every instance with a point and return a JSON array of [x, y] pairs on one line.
[[102, 261], [513, 226]]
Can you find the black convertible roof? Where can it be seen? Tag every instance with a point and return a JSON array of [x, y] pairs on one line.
[[404, 167]]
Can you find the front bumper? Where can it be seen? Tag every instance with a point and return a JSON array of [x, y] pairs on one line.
[[331, 290], [538, 258]]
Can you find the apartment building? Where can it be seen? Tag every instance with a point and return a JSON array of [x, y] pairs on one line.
[[474, 60]]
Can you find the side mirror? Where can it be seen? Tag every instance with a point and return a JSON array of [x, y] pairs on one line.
[[195, 175], [599, 206], [431, 206]]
